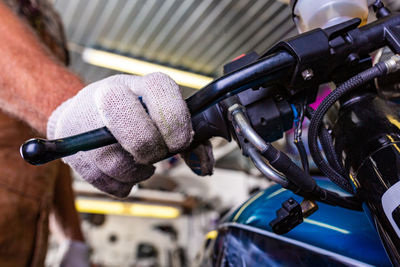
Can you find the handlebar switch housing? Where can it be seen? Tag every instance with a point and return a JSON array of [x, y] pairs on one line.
[[268, 114]]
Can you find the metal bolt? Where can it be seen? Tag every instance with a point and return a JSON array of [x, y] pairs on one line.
[[393, 64], [353, 59], [307, 74]]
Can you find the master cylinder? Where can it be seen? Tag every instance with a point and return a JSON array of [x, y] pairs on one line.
[[311, 14]]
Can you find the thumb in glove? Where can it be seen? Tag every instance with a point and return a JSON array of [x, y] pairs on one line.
[[200, 159]]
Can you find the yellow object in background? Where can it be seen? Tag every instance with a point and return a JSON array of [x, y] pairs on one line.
[[126, 209], [212, 234]]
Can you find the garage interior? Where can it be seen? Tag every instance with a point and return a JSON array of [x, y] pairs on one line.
[[165, 220], [198, 37]]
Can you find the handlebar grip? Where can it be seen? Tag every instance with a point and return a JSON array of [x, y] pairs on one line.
[[39, 151]]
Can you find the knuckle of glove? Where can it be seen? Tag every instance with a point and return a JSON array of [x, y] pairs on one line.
[[168, 110], [126, 118]]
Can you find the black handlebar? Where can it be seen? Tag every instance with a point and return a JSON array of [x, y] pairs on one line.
[[207, 119], [330, 53]]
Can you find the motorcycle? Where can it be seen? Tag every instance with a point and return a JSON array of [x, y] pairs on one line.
[[350, 218]]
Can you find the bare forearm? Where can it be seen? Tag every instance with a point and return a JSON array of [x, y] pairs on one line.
[[32, 83]]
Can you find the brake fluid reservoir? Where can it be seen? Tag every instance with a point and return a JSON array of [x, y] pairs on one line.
[[311, 14]]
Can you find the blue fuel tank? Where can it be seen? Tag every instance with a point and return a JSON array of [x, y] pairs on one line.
[[332, 236]]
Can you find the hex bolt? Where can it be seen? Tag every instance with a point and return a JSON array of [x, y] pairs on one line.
[[353, 59], [307, 74]]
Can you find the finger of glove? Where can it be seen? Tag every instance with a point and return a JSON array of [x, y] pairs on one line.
[[88, 170], [117, 163], [167, 109], [126, 118], [200, 159]]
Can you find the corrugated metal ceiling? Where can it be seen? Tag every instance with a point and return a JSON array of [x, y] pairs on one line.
[[197, 35]]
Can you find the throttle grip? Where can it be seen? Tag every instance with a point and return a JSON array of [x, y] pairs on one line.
[[39, 151]]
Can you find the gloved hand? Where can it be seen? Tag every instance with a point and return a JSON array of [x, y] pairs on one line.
[[145, 133]]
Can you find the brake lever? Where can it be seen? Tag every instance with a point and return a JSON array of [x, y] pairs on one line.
[[39, 151]]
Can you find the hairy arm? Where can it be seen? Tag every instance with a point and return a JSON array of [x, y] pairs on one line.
[[32, 82]]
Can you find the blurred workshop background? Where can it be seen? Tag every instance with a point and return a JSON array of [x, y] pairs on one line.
[[165, 220]]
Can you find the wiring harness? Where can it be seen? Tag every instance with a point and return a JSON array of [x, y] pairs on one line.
[[332, 168]]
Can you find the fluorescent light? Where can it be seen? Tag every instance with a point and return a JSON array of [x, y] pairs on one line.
[[126, 209], [140, 67]]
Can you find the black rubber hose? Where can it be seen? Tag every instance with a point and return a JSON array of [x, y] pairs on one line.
[[316, 122], [303, 184], [284, 164], [327, 146], [332, 198]]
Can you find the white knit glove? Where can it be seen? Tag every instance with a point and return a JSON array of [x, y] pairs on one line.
[[145, 134]]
